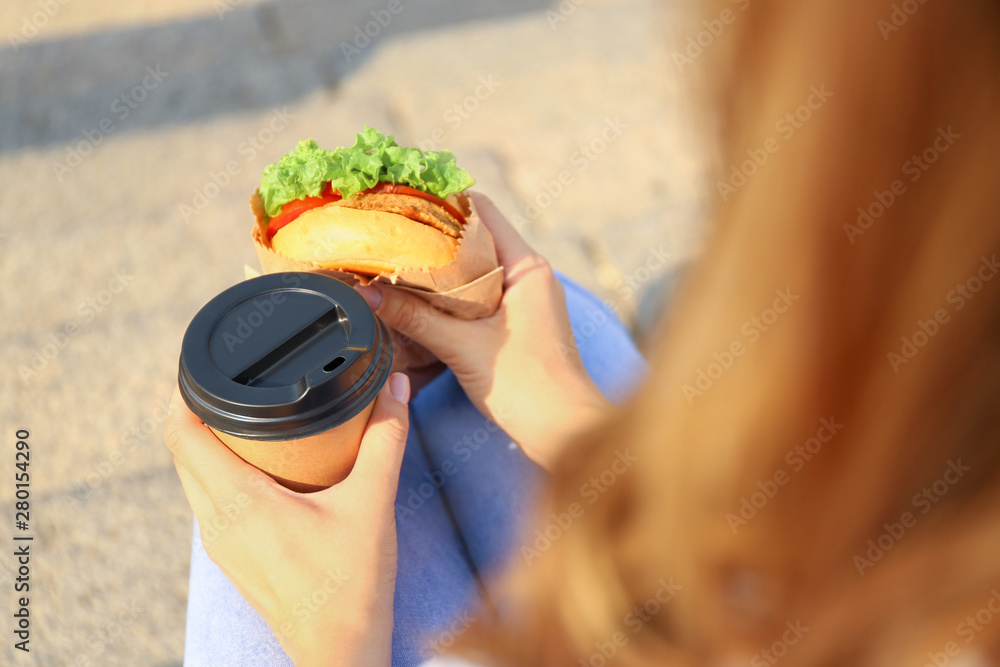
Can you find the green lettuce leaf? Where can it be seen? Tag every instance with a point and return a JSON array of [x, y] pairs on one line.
[[298, 174], [373, 158]]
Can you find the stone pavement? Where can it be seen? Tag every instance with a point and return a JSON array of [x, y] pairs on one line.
[[131, 136]]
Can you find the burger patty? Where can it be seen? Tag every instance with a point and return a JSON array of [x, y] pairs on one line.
[[408, 206]]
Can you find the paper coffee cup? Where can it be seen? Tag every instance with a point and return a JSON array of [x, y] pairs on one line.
[[285, 368]]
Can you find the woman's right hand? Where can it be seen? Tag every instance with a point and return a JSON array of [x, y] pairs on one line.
[[520, 366]]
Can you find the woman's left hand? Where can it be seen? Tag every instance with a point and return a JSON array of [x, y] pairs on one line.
[[320, 568]]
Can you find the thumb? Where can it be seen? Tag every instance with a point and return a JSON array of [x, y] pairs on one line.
[[381, 454], [439, 332]]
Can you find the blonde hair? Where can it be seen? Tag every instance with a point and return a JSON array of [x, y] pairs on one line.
[[818, 444]]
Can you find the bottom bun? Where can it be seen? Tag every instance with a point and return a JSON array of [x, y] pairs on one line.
[[369, 242]]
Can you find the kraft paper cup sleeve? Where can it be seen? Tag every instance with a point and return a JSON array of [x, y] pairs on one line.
[[468, 287]]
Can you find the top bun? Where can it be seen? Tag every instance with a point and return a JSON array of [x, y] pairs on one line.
[[366, 242]]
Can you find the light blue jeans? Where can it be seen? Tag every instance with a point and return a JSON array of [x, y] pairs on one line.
[[465, 495]]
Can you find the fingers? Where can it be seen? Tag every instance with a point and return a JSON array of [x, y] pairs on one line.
[[195, 447], [381, 454], [413, 317], [511, 248]]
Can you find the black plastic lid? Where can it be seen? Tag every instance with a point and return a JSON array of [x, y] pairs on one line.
[[283, 356]]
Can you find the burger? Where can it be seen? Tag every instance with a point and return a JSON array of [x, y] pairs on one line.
[[369, 209]]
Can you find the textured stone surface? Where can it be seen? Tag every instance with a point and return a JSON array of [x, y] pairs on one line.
[[103, 265]]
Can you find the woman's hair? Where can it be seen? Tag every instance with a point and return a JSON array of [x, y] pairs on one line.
[[811, 472]]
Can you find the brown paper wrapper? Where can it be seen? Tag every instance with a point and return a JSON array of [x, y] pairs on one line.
[[469, 287]]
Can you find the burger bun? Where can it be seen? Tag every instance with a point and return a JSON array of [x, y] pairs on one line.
[[365, 242]]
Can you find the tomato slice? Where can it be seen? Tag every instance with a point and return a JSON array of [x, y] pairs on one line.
[[413, 192], [297, 207]]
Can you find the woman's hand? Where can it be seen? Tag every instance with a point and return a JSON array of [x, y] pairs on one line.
[[320, 568], [520, 367]]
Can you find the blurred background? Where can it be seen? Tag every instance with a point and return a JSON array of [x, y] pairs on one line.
[[131, 136]]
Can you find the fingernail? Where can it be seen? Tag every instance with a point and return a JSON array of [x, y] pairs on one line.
[[371, 294], [399, 387]]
